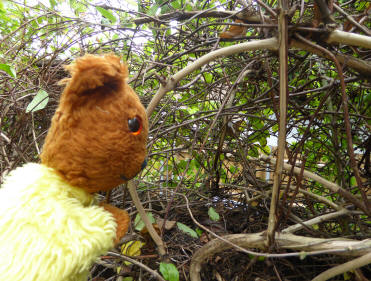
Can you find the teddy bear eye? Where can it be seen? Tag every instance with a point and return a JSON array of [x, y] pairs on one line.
[[135, 125]]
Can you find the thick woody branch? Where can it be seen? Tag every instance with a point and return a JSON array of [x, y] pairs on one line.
[[361, 66], [348, 266], [317, 220], [347, 38], [170, 84], [282, 240], [352, 20]]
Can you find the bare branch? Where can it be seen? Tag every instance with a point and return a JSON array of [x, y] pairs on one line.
[[347, 38], [270, 44], [156, 238], [283, 56], [352, 20], [342, 268], [316, 220]]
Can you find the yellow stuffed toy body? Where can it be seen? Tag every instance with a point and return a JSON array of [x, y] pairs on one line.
[[50, 230]]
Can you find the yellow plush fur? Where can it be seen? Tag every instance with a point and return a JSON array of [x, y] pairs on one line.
[[50, 230]]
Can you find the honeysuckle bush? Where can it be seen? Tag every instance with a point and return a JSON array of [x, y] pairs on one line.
[[205, 132]]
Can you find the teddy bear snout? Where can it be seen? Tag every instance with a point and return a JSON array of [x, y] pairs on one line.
[[144, 164]]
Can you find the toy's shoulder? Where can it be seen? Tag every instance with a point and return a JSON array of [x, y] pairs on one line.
[[44, 220]]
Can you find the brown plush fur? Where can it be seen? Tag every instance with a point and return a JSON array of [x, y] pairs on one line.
[[122, 220], [89, 142]]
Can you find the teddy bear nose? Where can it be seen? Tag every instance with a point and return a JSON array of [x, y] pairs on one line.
[[144, 164]]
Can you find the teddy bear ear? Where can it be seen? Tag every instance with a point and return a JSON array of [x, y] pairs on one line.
[[91, 72]]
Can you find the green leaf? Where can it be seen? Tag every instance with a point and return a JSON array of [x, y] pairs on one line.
[[213, 215], [188, 7], [187, 230], [165, 9], [199, 231], [169, 271], [8, 69], [261, 258], [138, 222], [263, 141], [176, 4], [266, 149], [253, 152], [208, 77], [153, 10], [182, 164], [257, 123], [52, 3], [347, 276], [77, 7], [39, 102], [353, 181], [275, 128], [107, 14]]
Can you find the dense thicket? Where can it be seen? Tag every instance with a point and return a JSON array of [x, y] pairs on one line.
[[214, 131]]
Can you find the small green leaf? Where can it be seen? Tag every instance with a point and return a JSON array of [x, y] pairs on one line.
[[353, 181], [187, 230], [347, 276], [169, 271], [275, 128], [138, 222], [39, 102], [208, 77], [153, 10], [107, 14], [261, 258], [52, 3], [8, 69], [165, 9], [188, 8], [263, 141], [213, 214], [176, 4], [182, 164], [257, 123], [302, 255], [77, 7], [266, 149], [253, 152], [199, 231]]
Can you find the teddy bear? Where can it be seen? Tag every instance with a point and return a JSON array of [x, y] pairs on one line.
[[51, 225]]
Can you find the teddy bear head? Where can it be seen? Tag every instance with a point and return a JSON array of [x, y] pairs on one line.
[[97, 139]]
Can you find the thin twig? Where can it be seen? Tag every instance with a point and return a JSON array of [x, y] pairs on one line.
[[156, 238], [154, 273], [367, 204], [330, 185], [352, 20]]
